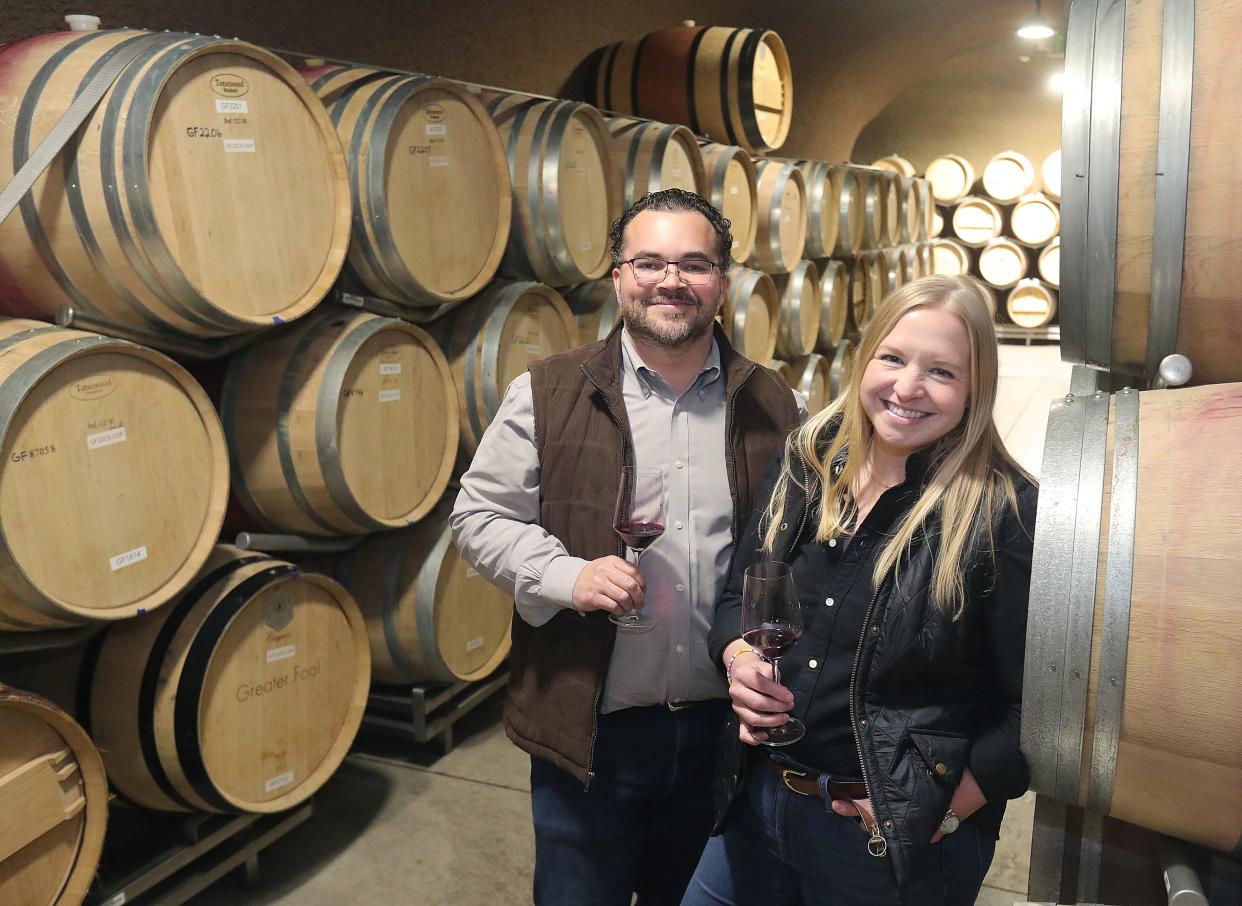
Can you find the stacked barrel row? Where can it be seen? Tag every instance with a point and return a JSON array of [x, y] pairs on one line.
[[1003, 228], [216, 193]]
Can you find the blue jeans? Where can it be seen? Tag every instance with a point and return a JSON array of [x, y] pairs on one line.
[[780, 848], [641, 826]]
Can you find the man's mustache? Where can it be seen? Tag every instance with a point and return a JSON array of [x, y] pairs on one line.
[[659, 298]]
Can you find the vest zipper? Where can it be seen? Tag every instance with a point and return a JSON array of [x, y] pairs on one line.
[[612, 636], [877, 845], [729, 458]]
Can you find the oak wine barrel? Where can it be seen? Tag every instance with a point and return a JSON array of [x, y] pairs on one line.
[[914, 260], [866, 287], [950, 257], [808, 375], [1035, 220], [733, 85], [494, 339], [55, 797], [1050, 263], [1167, 280], [925, 258], [823, 207], [655, 156], [800, 310], [595, 308], [951, 178], [976, 221], [781, 233], [893, 206], [566, 188], [872, 195], [242, 696], [430, 184], [1138, 525], [343, 425], [233, 212], [430, 616], [894, 269], [732, 186], [1031, 303], [751, 314], [858, 199], [841, 369], [1050, 175], [834, 292], [114, 479], [896, 163], [1008, 176], [1002, 263], [911, 221], [929, 229]]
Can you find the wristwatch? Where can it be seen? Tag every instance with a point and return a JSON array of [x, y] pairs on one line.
[[950, 822]]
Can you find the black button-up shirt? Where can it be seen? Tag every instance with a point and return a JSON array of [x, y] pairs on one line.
[[835, 588]]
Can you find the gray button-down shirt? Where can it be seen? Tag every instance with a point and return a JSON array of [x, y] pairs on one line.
[[495, 524]]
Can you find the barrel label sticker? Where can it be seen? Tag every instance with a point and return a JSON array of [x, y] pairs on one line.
[[471, 572], [229, 85], [280, 654], [732, 190], [105, 438], [676, 172], [389, 396], [235, 145], [390, 367], [230, 106], [474, 644], [437, 161], [437, 129], [585, 247], [93, 388], [129, 558], [278, 781]]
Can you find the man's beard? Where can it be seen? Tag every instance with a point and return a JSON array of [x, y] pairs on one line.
[[689, 325]]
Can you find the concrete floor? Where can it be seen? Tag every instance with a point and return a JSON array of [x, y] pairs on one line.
[[398, 825]]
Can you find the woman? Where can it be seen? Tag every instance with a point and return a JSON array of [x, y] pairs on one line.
[[909, 530]]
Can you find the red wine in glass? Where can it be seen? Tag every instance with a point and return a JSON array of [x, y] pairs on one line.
[[771, 624], [639, 535], [772, 639], [642, 504]]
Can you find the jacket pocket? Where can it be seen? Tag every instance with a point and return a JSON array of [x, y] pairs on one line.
[[942, 754]]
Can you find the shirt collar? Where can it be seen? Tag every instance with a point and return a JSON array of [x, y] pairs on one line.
[[634, 366]]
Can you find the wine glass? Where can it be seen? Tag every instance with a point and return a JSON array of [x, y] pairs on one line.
[[642, 504], [772, 623]]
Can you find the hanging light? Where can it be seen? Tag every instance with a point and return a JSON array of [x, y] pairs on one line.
[[1037, 27]]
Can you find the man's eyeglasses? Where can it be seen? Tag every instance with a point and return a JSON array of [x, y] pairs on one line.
[[649, 271]]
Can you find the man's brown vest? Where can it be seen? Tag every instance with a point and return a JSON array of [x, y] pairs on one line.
[[557, 670]]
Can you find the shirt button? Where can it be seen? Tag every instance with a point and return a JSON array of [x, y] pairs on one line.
[[681, 649], [680, 464], [680, 587], [829, 601], [677, 523], [832, 542], [812, 664]]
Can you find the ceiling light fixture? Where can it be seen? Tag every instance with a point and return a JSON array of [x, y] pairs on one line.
[[1037, 27]]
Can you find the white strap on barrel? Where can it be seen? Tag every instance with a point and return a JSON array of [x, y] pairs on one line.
[[69, 123]]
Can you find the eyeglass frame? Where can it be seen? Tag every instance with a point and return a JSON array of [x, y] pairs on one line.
[[668, 264]]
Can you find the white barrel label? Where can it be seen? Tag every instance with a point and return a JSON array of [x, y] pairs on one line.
[[389, 396], [474, 644], [236, 145], [231, 106], [129, 558], [278, 781], [437, 129], [280, 654], [105, 438], [390, 367]]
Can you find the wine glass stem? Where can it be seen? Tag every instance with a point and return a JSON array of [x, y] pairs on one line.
[[776, 669]]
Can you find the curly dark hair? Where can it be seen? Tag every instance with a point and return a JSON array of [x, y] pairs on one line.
[[674, 201]]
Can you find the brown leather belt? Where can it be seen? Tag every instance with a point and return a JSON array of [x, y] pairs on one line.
[[805, 783]]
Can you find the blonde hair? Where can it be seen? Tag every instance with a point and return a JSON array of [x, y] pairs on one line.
[[970, 470]]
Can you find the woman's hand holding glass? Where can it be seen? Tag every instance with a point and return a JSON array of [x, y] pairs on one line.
[[758, 700]]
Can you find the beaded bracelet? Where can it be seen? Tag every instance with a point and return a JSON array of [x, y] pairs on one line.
[[734, 657]]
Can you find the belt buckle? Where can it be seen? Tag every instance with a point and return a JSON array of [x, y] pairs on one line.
[[679, 706], [786, 773]]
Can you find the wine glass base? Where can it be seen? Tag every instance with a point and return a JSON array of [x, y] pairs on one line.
[[631, 622], [786, 734]]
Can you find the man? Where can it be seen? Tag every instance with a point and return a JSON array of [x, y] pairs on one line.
[[622, 726]]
